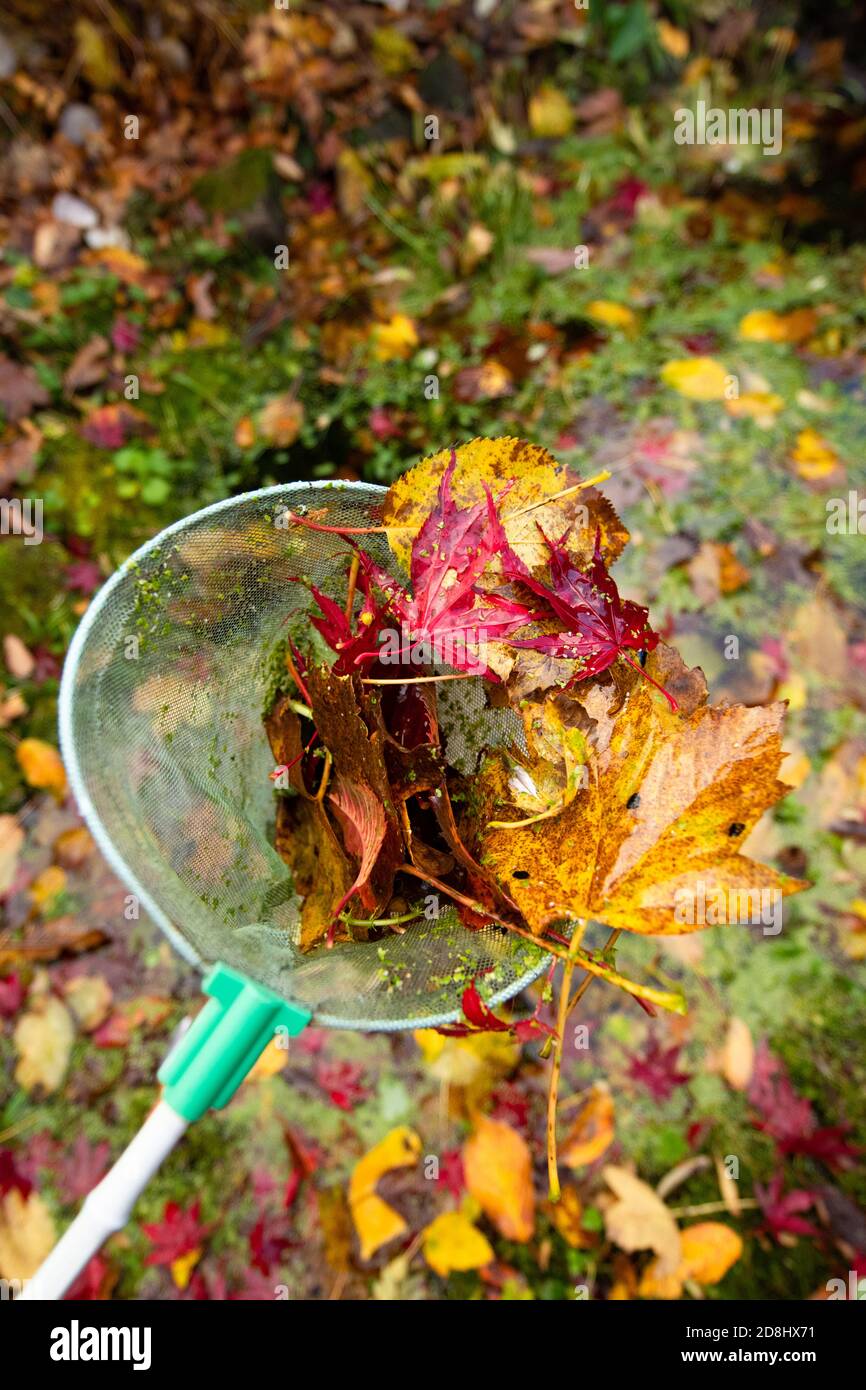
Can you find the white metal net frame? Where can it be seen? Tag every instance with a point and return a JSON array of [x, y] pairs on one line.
[[161, 706]]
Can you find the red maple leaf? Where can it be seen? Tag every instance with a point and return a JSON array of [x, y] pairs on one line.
[[87, 1164], [11, 1180], [443, 617], [91, 1282], [352, 645], [481, 1019], [267, 1248], [341, 1080], [789, 1118], [511, 1104], [596, 625], [451, 1175], [781, 1212], [657, 1070], [176, 1234]]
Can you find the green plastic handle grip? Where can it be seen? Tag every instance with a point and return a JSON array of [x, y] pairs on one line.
[[208, 1064]]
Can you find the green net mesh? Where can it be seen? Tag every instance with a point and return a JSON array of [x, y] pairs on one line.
[[161, 726]]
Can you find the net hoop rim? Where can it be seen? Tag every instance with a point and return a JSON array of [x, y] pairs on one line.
[[92, 818]]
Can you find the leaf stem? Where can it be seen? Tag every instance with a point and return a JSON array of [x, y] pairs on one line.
[[554, 1190], [581, 989]]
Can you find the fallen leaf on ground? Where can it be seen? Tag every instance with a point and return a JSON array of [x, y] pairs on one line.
[[813, 457], [612, 315], [765, 326], [42, 766], [592, 1130], [27, 1234], [738, 1054], [375, 1221], [498, 1168], [43, 1040], [639, 1220], [699, 378], [709, 1250], [451, 1242]]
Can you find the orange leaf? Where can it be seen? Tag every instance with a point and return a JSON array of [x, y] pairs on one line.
[[498, 1168], [592, 1131], [42, 767]]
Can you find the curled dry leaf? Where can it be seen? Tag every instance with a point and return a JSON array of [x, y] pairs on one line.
[[375, 1221], [498, 1168], [591, 1132]]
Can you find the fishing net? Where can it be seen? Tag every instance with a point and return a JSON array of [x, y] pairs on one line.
[[162, 701]]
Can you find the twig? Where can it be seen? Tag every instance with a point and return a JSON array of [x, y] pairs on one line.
[[665, 1000], [554, 1190], [421, 680], [582, 988], [353, 581], [378, 921], [326, 777], [712, 1208], [601, 477]]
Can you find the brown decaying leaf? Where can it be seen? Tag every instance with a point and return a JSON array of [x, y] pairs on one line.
[[47, 941], [305, 838], [21, 391], [639, 1220], [655, 834]]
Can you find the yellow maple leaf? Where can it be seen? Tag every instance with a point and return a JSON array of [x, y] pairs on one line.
[[498, 1168], [376, 1222], [43, 1040], [653, 836], [395, 340], [451, 1242], [42, 766], [699, 378], [612, 315], [466, 1062]]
